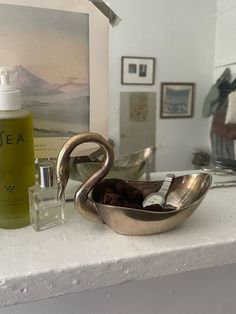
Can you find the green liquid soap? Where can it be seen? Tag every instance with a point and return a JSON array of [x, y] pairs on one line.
[[17, 171]]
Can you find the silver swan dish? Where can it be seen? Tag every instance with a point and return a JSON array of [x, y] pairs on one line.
[[185, 194]]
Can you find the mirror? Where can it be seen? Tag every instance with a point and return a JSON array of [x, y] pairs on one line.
[[192, 42]]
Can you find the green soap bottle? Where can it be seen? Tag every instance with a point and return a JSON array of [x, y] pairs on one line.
[[17, 171]]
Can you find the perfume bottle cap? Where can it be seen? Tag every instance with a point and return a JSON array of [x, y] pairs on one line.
[[46, 174]]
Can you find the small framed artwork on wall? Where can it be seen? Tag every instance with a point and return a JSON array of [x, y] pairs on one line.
[[177, 100], [137, 71]]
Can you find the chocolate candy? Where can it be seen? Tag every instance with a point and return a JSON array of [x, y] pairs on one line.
[[117, 192]]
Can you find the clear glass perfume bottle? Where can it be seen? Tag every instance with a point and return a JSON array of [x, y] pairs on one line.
[[46, 210]]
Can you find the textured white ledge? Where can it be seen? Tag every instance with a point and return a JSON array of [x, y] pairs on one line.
[[82, 255]]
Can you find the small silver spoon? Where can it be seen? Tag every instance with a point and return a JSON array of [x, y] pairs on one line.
[[160, 196]]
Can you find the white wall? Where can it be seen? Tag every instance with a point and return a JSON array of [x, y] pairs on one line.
[[225, 46], [180, 35]]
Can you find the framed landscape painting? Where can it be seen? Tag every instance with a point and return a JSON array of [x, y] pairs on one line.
[[177, 100], [59, 65]]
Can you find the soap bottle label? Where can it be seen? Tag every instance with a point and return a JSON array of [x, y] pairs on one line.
[[16, 171], [10, 139]]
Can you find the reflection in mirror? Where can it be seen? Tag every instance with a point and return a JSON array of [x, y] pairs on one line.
[[192, 42]]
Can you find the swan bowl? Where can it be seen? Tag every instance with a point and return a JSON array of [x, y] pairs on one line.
[[186, 194], [130, 167]]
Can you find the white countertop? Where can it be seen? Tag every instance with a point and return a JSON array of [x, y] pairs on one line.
[[82, 255]]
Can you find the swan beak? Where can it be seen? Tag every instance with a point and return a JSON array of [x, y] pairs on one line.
[[62, 179], [60, 190]]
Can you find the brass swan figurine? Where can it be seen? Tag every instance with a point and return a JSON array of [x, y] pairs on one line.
[[84, 206], [185, 194]]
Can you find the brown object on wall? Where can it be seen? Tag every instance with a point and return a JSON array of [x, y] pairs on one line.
[[220, 128]]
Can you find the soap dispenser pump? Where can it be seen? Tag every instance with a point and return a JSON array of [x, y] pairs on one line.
[[17, 171]]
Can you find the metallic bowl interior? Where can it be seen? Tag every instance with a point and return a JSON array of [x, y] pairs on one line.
[[130, 167], [186, 193]]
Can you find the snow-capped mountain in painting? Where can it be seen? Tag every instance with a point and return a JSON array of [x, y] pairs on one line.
[[58, 109], [29, 84]]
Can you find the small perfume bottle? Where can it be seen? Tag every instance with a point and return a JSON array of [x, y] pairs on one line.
[[46, 210]]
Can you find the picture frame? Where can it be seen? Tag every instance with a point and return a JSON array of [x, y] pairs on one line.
[[137, 121], [177, 100], [94, 87], [137, 70]]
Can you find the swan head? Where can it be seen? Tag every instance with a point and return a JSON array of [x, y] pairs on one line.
[[62, 176]]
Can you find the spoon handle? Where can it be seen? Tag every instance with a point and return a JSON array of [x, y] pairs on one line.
[[160, 196], [166, 185]]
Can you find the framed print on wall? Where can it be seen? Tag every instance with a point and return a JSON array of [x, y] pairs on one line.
[[59, 64], [137, 71], [137, 121], [177, 100]]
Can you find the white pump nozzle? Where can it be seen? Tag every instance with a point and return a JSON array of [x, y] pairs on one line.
[[9, 95], [6, 78]]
